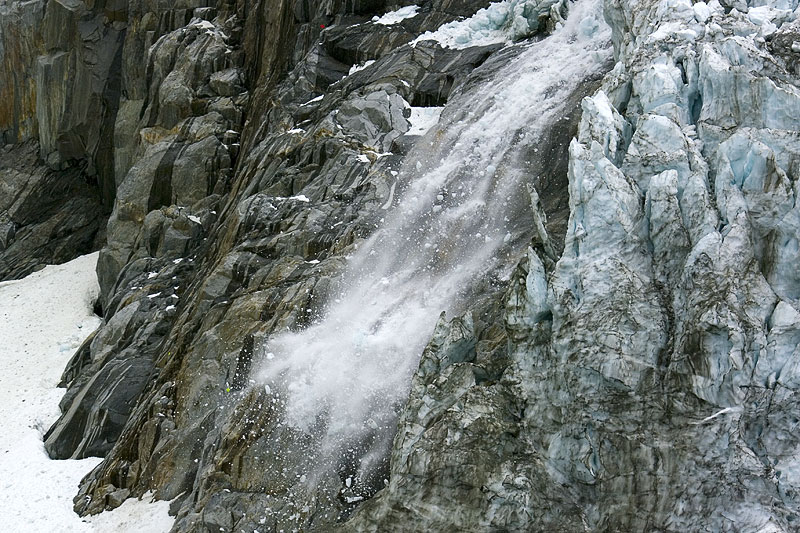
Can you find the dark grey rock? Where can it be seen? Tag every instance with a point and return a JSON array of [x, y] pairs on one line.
[[46, 216]]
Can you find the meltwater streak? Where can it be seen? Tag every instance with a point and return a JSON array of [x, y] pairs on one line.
[[345, 376]]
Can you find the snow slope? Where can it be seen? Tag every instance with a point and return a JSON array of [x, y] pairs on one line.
[[43, 319]]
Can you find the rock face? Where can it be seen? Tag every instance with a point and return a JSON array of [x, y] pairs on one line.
[[63, 61], [46, 216], [623, 339]]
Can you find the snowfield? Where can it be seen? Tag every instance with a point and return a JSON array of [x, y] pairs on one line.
[[44, 318]]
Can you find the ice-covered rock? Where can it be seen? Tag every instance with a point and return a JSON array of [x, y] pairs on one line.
[[502, 22], [393, 17], [660, 350]]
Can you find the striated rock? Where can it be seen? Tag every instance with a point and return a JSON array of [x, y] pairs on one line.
[[66, 87], [20, 45]]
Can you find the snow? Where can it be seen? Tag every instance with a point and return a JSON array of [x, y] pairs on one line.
[[45, 318], [397, 16], [422, 119], [725, 411], [313, 100], [502, 22], [300, 198], [208, 28], [362, 66], [205, 25], [194, 219]]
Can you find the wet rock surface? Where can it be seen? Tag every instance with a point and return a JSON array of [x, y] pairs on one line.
[[635, 370]]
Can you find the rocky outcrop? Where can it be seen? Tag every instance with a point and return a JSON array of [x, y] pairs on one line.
[[619, 357]]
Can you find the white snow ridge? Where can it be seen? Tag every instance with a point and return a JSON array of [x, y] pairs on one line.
[[44, 318]]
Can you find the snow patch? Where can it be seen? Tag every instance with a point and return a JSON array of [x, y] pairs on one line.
[[397, 16], [362, 66], [208, 28], [422, 119], [39, 316], [313, 100]]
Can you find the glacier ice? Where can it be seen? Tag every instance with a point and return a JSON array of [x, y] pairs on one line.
[[500, 23], [394, 17]]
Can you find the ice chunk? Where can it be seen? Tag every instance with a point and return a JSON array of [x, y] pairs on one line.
[[501, 22], [397, 16], [769, 18], [702, 12]]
